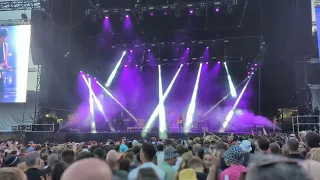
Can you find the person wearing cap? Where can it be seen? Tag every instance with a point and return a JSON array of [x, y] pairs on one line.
[[234, 158], [3, 59], [170, 159], [12, 161]]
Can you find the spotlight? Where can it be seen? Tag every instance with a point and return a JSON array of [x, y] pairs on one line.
[[251, 68], [191, 11], [218, 62], [207, 62], [131, 51], [187, 63], [198, 12], [24, 17], [165, 13], [106, 17], [136, 65], [125, 65], [127, 16], [80, 71], [255, 64], [217, 9], [178, 13], [148, 50], [88, 75], [188, 48], [151, 13], [207, 47]]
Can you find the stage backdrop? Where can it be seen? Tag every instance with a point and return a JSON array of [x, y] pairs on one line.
[[15, 78]]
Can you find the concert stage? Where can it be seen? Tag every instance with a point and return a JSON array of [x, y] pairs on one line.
[[61, 137]]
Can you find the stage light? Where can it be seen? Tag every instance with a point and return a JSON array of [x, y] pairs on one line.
[[155, 113], [217, 9], [192, 105], [198, 12], [113, 73], [231, 112], [127, 16], [231, 86], [187, 63], [88, 75], [136, 65], [151, 13], [131, 51], [148, 50], [107, 17], [125, 65], [255, 64], [178, 13], [165, 13], [81, 72], [218, 62], [207, 47], [224, 98], [207, 62], [188, 48], [125, 109], [252, 69], [191, 11], [162, 112]]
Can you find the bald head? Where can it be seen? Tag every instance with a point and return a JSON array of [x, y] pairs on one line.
[[93, 169]]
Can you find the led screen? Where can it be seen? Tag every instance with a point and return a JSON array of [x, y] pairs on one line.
[[14, 57]]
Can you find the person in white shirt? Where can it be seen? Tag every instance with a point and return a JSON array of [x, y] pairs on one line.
[[147, 153]]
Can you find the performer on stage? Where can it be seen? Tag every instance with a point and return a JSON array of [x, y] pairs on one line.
[[119, 122], [3, 59], [180, 121]]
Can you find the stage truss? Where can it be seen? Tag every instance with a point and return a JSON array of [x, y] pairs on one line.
[[21, 5]]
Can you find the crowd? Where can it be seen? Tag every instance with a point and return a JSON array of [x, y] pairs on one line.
[[274, 156]]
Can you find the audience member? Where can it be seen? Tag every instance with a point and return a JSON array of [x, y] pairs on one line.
[[313, 140], [160, 153], [274, 167], [35, 166], [274, 148], [12, 161], [88, 169], [147, 174], [84, 155], [293, 146], [147, 153], [263, 144], [180, 150], [113, 160], [196, 164], [233, 158], [124, 165], [10, 173], [170, 159], [58, 170], [68, 156], [99, 153]]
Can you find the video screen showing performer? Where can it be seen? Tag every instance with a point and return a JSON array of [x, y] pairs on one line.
[[14, 59]]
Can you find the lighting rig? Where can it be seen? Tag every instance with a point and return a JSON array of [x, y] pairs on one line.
[[177, 7], [21, 5]]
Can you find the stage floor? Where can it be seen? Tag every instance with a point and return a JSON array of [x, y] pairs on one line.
[[62, 137]]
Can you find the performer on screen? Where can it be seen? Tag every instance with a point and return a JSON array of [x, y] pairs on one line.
[[3, 59], [180, 121]]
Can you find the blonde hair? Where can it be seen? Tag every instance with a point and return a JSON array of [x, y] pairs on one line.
[[12, 174], [185, 162], [314, 154]]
